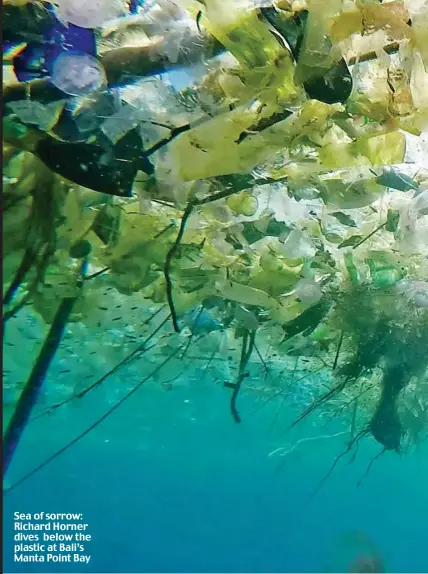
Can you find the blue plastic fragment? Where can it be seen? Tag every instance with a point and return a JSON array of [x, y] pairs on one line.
[[200, 321]]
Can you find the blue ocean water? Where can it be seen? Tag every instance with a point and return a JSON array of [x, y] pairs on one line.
[[169, 483]]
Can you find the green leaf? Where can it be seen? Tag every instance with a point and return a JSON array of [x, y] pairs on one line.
[[344, 219], [392, 220], [351, 241]]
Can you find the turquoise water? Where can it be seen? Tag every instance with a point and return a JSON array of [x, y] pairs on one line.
[[169, 483]]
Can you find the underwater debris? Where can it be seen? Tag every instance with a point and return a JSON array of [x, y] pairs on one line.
[[200, 321], [348, 449], [92, 15], [78, 74], [257, 168], [369, 466]]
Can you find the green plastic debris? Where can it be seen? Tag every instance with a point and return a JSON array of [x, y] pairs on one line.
[[344, 219], [392, 220], [351, 241], [351, 268], [396, 180]]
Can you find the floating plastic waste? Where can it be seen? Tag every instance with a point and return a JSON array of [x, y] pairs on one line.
[[244, 173], [200, 321], [308, 291], [78, 74], [416, 291], [86, 14]]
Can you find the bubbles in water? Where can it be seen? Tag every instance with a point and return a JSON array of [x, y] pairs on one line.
[[78, 74], [88, 14]]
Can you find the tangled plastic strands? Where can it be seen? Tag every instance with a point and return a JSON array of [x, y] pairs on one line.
[[93, 425], [351, 401], [263, 362], [29, 395], [354, 441], [337, 389], [284, 453], [135, 354], [383, 451], [284, 398], [319, 402], [284, 391]]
